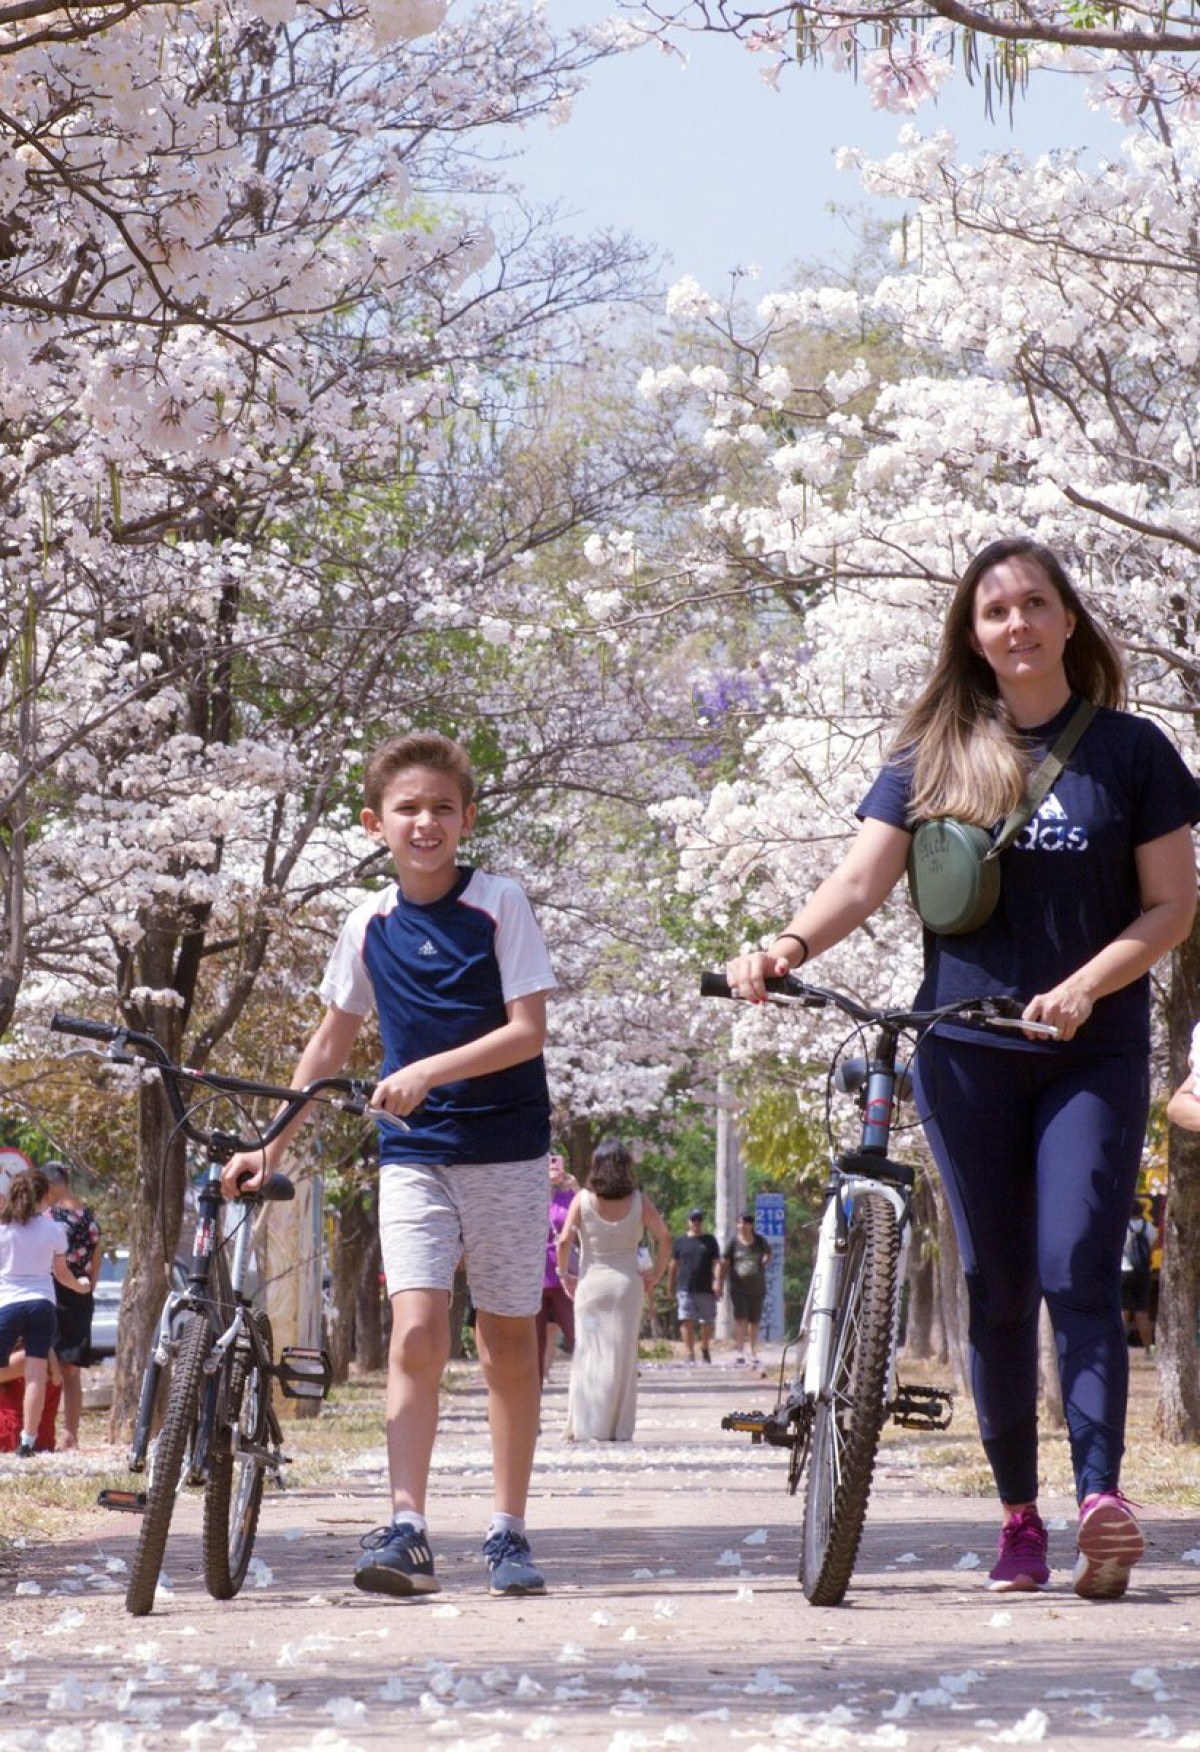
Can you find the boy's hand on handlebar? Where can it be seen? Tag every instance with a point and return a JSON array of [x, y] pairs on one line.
[[746, 973], [1066, 1006], [402, 1092], [244, 1172]]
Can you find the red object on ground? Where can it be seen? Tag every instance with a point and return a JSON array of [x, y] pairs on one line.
[[12, 1401]]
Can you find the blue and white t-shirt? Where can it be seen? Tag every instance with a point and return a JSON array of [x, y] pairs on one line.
[[441, 975], [1069, 882]]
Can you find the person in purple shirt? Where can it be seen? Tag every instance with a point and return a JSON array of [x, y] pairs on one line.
[[557, 1309], [1038, 1141]]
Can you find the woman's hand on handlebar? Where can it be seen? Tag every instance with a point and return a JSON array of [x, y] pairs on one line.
[[244, 1172], [1066, 1006], [746, 973]]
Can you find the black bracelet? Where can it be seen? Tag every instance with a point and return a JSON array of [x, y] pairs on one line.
[[791, 937]]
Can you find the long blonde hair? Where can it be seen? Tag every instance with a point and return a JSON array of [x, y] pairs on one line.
[[968, 760]]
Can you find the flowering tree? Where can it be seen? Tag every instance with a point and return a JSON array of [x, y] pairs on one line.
[[906, 49], [263, 363], [1049, 386]]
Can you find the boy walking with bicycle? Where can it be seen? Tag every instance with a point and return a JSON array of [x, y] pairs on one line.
[[455, 964]]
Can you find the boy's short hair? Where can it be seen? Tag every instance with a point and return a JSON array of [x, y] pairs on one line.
[[426, 748]]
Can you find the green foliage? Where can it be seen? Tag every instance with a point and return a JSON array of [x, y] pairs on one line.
[[677, 1159]]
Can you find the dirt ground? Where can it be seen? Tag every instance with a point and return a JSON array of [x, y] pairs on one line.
[[674, 1617]]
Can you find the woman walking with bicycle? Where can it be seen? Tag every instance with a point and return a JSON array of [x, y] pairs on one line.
[[1038, 1141]]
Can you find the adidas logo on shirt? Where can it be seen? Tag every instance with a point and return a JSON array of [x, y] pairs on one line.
[[427, 948]]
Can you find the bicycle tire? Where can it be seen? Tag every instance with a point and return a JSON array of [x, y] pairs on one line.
[[170, 1450], [849, 1421], [233, 1495]]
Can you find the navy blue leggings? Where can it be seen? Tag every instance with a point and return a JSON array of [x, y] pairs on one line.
[[1039, 1155]]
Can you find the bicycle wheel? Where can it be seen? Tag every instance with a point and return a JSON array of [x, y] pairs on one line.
[[183, 1400], [850, 1417], [233, 1496]]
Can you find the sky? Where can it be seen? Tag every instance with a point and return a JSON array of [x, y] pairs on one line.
[[706, 161]]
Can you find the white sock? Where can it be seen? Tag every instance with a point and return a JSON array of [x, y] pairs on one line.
[[410, 1518], [502, 1523]]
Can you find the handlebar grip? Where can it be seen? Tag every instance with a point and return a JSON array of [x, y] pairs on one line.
[[715, 985], [82, 1025]]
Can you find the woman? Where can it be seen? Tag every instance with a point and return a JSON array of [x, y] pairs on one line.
[[607, 1220], [1038, 1142], [32, 1259], [84, 1253], [746, 1258]]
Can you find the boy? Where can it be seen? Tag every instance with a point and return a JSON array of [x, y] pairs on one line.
[[457, 968]]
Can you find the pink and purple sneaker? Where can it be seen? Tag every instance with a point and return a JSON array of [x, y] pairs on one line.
[[1110, 1543], [1021, 1566]]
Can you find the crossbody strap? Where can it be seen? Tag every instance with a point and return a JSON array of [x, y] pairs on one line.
[[1043, 778]]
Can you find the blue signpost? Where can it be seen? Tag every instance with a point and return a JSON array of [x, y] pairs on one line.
[[770, 1220]]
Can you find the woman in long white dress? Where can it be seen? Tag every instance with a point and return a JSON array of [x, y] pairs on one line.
[[608, 1220]]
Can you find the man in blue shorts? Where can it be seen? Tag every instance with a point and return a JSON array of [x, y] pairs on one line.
[[455, 964], [695, 1257]]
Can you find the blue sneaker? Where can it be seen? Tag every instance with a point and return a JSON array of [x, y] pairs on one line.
[[396, 1560], [511, 1569]]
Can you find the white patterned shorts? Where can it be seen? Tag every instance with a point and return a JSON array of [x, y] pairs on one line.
[[493, 1215]]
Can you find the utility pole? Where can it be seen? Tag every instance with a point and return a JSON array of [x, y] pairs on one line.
[[730, 1186]]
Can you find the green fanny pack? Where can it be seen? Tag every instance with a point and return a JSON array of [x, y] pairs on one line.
[[954, 867]]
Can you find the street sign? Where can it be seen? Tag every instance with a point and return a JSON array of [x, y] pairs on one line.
[[770, 1220]]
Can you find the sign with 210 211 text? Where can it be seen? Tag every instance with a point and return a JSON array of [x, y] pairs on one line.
[[770, 1220]]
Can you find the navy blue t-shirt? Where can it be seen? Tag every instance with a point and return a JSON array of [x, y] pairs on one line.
[[442, 975], [1068, 884]]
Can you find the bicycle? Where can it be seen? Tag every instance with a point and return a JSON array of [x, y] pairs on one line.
[[213, 1351], [832, 1416]]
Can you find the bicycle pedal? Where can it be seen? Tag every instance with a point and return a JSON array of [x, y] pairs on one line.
[[923, 1408], [126, 1502], [304, 1374], [747, 1423]]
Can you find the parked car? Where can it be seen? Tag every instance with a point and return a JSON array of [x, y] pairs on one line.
[[110, 1286], [110, 1283]]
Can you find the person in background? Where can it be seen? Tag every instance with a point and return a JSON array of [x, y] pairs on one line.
[[74, 1341], [608, 1221], [1038, 1140], [32, 1259], [746, 1258], [1141, 1238], [694, 1280], [556, 1312], [1183, 1109]]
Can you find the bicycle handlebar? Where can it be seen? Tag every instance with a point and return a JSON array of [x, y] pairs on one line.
[[998, 1011], [348, 1094]]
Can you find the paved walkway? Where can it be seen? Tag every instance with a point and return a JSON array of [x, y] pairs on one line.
[[675, 1618]]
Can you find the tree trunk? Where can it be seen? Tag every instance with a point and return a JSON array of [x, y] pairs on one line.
[[580, 1142], [1053, 1415], [354, 1231], [155, 1224], [921, 1339], [1178, 1414], [458, 1313], [368, 1302], [953, 1288]]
